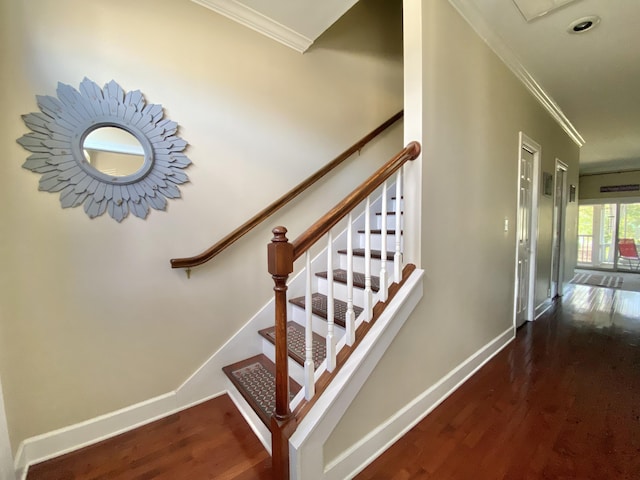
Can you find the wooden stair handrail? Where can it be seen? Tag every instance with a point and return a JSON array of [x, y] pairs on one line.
[[337, 213], [258, 218]]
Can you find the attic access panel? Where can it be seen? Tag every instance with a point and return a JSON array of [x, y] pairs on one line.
[[532, 9]]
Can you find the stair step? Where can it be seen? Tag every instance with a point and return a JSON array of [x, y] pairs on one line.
[[319, 308], [340, 275], [377, 231], [296, 343], [255, 379], [359, 252]]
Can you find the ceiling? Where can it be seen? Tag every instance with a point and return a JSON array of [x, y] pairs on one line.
[[592, 77], [590, 82]]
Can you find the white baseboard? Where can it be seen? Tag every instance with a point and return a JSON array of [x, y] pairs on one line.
[[58, 442], [64, 440], [542, 308], [376, 442]]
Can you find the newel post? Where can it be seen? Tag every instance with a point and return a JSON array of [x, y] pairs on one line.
[[280, 262]]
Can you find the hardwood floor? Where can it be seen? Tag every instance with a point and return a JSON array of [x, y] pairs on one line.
[[560, 402], [208, 441]]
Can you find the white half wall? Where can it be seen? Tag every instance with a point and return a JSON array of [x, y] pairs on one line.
[[307, 456]]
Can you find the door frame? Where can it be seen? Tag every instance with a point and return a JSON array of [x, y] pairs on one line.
[[560, 165], [534, 147]]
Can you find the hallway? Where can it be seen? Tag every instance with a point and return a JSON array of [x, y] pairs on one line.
[[560, 402]]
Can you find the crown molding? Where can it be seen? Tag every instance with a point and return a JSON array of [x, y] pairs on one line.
[[249, 17], [470, 13]]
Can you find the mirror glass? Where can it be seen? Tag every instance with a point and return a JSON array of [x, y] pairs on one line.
[[113, 151]]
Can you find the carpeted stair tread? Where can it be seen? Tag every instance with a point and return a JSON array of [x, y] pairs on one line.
[[379, 232], [319, 308], [340, 276], [296, 343], [359, 252], [255, 380]]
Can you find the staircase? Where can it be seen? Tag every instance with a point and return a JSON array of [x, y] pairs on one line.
[[328, 336], [331, 318], [254, 377]]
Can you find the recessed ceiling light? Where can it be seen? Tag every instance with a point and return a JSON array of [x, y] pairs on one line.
[[583, 24]]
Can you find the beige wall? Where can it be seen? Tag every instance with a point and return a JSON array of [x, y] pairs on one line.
[[472, 111], [590, 185], [93, 318]]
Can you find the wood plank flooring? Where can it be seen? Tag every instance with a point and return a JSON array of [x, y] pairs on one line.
[[560, 402], [208, 441]]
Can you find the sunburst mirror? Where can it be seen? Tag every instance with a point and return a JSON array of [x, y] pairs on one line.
[[105, 149]]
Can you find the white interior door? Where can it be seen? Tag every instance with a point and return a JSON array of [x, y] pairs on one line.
[[557, 248], [524, 224]]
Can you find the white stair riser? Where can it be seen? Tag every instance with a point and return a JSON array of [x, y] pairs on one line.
[[376, 221], [376, 241], [391, 205], [319, 324], [340, 291], [358, 264], [296, 371]]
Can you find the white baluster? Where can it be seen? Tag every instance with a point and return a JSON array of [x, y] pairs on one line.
[[397, 257], [383, 288], [368, 297], [350, 319], [331, 344], [309, 385]]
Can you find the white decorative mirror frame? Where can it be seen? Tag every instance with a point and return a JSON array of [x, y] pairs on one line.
[[57, 142]]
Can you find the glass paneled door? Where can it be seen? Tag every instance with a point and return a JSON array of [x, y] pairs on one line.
[[608, 236], [628, 237], [597, 236]]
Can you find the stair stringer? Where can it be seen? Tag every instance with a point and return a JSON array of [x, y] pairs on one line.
[[306, 446], [209, 380]]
